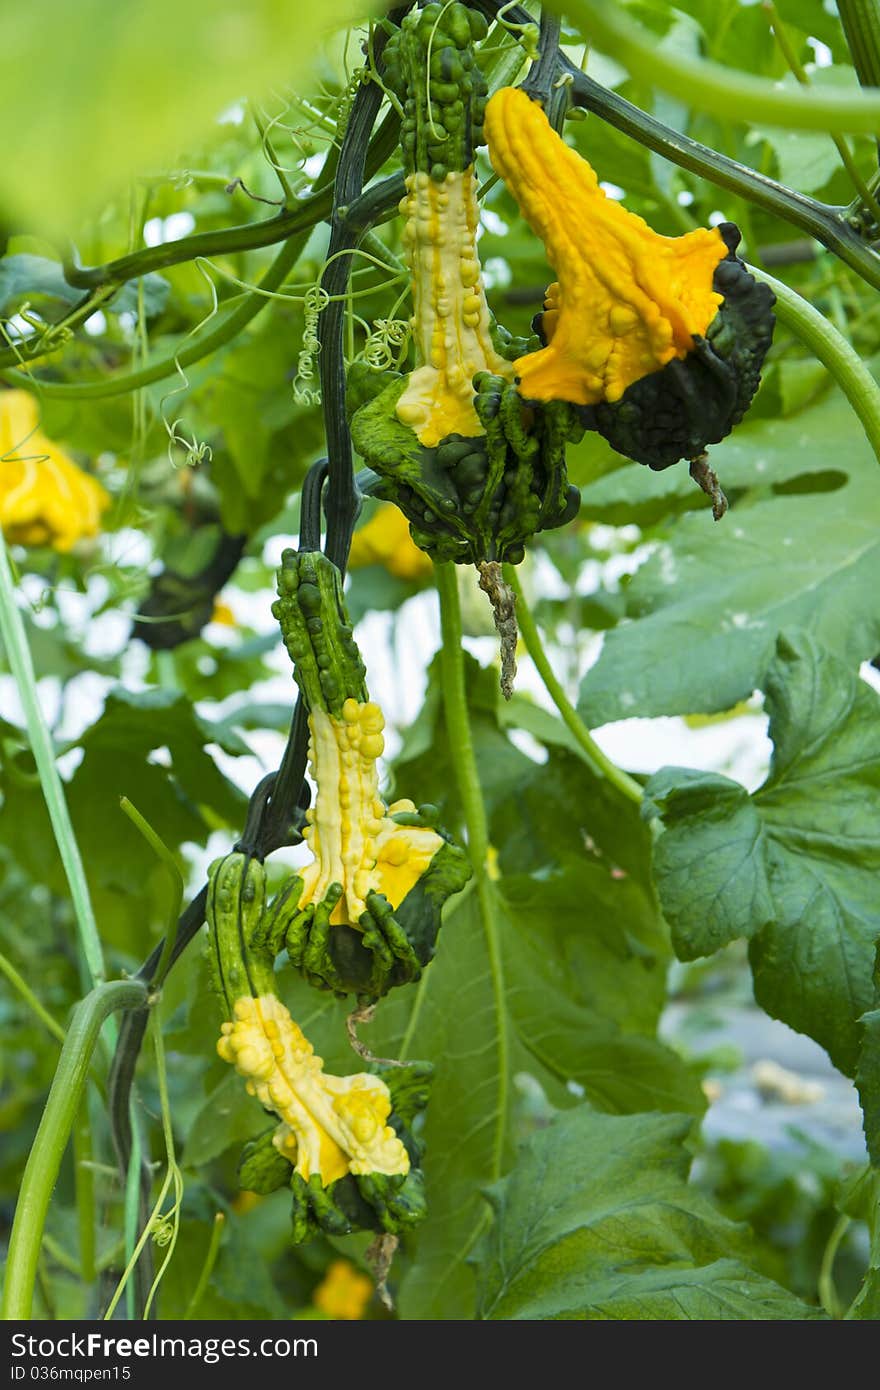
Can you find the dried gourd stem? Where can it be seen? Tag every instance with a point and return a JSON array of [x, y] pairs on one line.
[[379, 1255], [365, 1014], [707, 479], [503, 601]]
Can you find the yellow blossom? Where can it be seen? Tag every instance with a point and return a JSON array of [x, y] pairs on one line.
[[344, 1292], [385, 540], [45, 499], [627, 300], [222, 614]]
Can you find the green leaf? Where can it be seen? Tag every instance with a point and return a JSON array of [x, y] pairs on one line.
[[632, 1242], [795, 866], [25, 277], [425, 766], [146, 84], [804, 161], [181, 792], [708, 602], [860, 1200], [868, 1082], [584, 990], [712, 872], [227, 1116]]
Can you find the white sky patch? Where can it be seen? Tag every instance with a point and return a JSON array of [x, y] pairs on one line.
[[668, 565], [158, 230], [233, 115], [492, 222], [612, 190], [84, 697], [684, 197], [313, 165], [870, 674], [496, 273], [822, 55], [737, 747], [96, 324]]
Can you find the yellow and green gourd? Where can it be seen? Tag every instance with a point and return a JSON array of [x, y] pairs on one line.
[[475, 471], [341, 1143], [658, 340], [364, 914]]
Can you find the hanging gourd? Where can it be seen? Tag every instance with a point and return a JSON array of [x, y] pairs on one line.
[[473, 469], [658, 341], [342, 1143]]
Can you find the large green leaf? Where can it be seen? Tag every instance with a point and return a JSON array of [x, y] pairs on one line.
[[795, 866], [496, 1001], [709, 601], [860, 1199], [868, 1081], [97, 93], [597, 1221]]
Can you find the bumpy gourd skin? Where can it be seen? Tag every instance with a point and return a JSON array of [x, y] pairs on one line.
[[349, 1162], [364, 915], [475, 473], [474, 498], [658, 341], [677, 412], [627, 300]]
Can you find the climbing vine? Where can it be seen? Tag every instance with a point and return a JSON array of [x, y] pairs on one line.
[[567, 364]]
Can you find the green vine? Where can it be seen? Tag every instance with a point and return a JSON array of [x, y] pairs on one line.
[[56, 1124], [713, 88]]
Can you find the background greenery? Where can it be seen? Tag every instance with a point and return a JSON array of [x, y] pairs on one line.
[[561, 1129]]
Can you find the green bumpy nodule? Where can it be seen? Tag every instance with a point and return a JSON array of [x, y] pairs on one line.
[[677, 412], [430, 65], [317, 634], [235, 911], [369, 1202], [479, 498]]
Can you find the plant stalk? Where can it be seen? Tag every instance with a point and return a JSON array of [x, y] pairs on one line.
[[53, 1134]]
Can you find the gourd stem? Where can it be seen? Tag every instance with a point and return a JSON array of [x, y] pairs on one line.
[[205, 244], [715, 89], [599, 764], [861, 25], [47, 1151], [788, 52], [833, 351], [467, 777], [208, 1266], [21, 665], [203, 346]]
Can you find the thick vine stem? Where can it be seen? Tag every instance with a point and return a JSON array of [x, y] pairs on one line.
[[304, 214], [599, 764], [21, 664], [458, 728], [833, 351], [861, 25], [47, 1150], [238, 318], [716, 89]]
